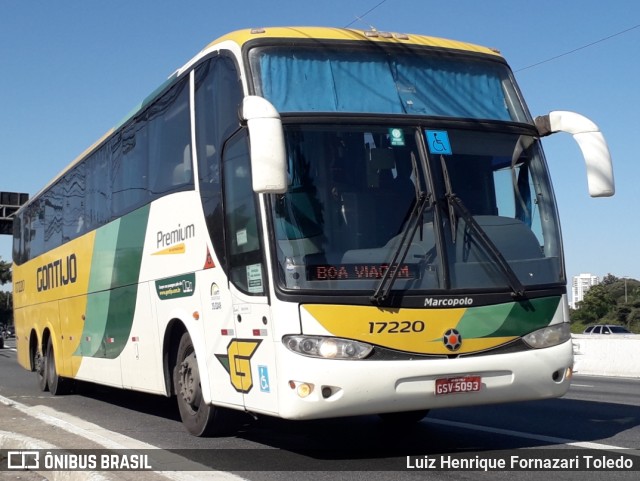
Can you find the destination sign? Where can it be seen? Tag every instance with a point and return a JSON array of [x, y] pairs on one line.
[[331, 272]]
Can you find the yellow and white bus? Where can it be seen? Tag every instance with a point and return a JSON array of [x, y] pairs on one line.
[[309, 223]]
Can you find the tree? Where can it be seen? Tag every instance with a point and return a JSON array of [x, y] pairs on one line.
[[5, 272], [596, 304], [616, 300]]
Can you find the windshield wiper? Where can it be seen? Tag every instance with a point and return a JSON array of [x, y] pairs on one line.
[[423, 199], [456, 206]]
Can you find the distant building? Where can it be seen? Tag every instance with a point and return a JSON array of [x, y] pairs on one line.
[[581, 285]]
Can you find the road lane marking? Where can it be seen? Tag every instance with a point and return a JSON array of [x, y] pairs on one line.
[[114, 440], [520, 434]]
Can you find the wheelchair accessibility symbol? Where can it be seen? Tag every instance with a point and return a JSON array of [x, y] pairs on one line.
[[438, 141], [263, 374]]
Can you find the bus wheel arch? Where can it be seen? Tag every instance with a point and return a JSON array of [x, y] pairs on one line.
[[172, 335]]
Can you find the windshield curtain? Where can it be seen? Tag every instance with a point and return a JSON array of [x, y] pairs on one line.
[[352, 196], [378, 81]]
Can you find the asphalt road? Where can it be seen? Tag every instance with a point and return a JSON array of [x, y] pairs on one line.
[[598, 416]]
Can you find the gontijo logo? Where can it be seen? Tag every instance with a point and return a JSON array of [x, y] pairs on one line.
[[57, 273], [237, 362]]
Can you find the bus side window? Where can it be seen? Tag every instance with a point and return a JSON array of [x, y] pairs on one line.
[[73, 211], [169, 135], [241, 222], [129, 166], [218, 93]]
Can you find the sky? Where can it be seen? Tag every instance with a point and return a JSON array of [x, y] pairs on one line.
[[72, 69]]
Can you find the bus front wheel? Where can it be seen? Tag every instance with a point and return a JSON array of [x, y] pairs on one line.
[[197, 416]]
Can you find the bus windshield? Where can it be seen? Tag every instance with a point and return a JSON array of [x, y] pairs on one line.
[[487, 217], [385, 80]]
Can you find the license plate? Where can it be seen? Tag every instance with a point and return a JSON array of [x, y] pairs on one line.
[[453, 385]]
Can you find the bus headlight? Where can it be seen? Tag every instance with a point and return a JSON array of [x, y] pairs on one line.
[[548, 336], [327, 347]]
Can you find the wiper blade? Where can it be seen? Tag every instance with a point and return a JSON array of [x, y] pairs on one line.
[[453, 221], [456, 206], [517, 289], [381, 294]]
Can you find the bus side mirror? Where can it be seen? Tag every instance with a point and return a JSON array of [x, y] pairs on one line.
[[592, 144], [268, 153]]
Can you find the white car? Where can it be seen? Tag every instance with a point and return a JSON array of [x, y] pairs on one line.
[[606, 329]]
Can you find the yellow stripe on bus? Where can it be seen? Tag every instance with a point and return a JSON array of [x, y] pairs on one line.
[[325, 33], [409, 330]]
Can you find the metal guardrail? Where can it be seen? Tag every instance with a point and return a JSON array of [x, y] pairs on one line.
[[607, 355]]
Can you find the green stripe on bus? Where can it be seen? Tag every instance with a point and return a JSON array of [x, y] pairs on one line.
[[528, 316], [506, 320], [113, 285]]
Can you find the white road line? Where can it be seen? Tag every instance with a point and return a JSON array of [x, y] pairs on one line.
[[581, 385], [113, 440], [519, 434]]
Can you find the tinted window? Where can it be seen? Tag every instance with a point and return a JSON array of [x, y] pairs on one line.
[[129, 174], [243, 236], [74, 194], [147, 158], [218, 93], [53, 203], [170, 141], [618, 330], [98, 202]]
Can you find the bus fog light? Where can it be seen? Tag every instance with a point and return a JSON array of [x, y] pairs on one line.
[[304, 389], [548, 336], [327, 347]]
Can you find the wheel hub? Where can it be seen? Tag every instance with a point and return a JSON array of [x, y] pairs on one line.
[[189, 380], [39, 364]]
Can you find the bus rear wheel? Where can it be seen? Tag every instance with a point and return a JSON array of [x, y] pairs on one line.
[[200, 418], [40, 370], [57, 384]]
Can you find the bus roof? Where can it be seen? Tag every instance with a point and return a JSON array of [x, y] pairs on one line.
[[241, 37], [326, 33]]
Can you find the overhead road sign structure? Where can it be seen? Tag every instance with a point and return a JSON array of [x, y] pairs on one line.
[[10, 202]]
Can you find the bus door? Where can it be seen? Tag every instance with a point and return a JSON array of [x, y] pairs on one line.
[[251, 351], [253, 370]]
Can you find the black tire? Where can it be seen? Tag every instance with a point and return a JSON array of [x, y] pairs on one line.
[[40, 368], [200, 418], [404, 418], [57, 384]]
